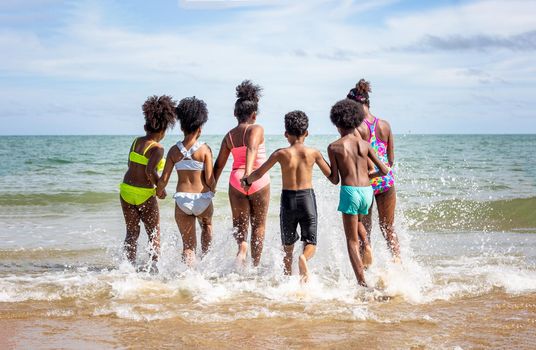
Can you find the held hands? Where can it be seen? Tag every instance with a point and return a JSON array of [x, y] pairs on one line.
[[372, 173], [245, 183], [161, 193]]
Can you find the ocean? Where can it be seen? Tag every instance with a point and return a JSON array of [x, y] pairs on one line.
[[466, 218]]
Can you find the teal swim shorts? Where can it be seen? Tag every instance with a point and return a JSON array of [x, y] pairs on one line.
[[355, 200]]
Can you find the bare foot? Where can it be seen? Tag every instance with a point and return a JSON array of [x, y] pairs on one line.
[[304, 270], [397, 260], [241, 255], [367, 256]]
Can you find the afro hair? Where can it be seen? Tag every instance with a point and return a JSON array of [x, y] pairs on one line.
[[159, 113], [347, 114], [296, 123], [192, 114]]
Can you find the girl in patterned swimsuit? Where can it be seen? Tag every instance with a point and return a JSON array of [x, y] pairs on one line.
[[379, 135], [246, 143]]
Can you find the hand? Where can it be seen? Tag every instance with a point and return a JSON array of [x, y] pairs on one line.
[[244, 183], [161, 194]]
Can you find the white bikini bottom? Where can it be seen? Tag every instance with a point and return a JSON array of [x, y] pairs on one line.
[[193, 203]]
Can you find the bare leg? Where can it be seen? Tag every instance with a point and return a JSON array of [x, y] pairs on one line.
[[287, 260], [132, 221], [350, 223], [364, 245], [366, 220], [150, 216], [386, 203], [308, 252], [259, 202], [205, 221], [186, 225], [240, 211]]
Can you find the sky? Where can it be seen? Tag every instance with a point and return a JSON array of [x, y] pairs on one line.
[[86, 67]]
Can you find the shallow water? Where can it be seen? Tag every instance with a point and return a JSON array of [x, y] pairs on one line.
[[466, 220]]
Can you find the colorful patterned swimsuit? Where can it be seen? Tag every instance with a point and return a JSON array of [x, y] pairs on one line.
[[384, 183]]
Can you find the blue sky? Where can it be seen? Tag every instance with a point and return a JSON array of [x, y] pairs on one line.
[[86, 67]]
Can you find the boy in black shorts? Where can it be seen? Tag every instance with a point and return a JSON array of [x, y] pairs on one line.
[[298, 203]]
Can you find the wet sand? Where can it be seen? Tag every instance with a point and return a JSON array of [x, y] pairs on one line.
[[494, 320]]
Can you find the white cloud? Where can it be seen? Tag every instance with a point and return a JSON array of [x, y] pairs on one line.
[[305, 54]]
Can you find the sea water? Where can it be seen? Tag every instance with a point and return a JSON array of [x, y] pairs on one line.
[[466, 218]]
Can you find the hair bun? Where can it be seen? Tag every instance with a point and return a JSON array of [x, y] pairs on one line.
[[247, 91], [363, 87]]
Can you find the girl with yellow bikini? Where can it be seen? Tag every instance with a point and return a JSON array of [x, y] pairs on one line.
[[137, 192]]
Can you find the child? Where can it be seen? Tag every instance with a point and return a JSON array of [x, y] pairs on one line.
[[349, 158], [298, 203], [193, 161], [137, 192], [246, 143]]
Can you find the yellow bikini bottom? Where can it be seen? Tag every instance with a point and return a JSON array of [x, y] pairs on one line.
[[135, 195]]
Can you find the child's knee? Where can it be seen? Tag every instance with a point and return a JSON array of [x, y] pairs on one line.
[[205, 223]]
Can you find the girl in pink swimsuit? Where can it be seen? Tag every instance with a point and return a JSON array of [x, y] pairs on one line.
[[379, 135], [246, 143]]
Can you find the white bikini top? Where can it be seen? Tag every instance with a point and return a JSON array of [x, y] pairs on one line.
[[187, 163]]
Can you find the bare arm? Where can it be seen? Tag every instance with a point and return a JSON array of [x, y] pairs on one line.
[[256, 136], [370, 165], [334, 176], [166, 174], [391, 148], [209, 171], [221, 160], [150, 170], [257, 174], [322, 164], [382, 169]]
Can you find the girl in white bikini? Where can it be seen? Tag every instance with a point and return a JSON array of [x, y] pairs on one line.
[[193, 161]]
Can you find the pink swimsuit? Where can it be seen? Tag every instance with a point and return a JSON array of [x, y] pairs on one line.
[[239, 165]]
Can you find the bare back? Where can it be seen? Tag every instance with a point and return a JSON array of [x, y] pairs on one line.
[[191, 181], [297, 163], [349, 156], [383, 131], [137, 174]]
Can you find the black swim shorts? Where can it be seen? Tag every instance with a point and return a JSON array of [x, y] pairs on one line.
[[298, 207]]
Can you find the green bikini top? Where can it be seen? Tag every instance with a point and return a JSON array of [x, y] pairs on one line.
[[137, 158]]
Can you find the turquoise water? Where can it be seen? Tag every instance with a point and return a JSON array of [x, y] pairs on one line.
[[465, 217], [475, 182]]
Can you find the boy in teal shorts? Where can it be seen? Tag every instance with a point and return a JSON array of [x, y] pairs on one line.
[[349, 158]]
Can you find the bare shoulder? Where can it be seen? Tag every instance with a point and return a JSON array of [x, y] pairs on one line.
[[256, 129], [363, 144], [205, 148], [312, 152], [363, 130], [174, 153], [156, 148], [384, 125], [336, 147]]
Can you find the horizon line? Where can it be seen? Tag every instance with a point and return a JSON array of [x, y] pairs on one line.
[[327, 134]]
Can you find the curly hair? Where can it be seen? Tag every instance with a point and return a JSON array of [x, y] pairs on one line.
[[347, 114], [296, 123], [159, 113], [247, 101], [192, 114]]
